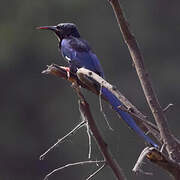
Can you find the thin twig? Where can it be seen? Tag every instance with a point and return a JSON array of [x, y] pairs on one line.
[[167, 107], [71, 164], [89, 140], [159, 159], [87, 127], [163, 147], [96, 172], [62, 139], [102, 111], [138, 166]]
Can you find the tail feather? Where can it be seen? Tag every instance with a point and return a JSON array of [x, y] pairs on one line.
[[113, 100]]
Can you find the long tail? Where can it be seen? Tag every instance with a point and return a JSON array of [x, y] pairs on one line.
[[125, 116]]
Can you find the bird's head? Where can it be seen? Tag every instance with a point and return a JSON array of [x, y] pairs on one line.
[[63, 30]]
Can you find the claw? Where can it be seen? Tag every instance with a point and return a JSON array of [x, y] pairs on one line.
[[67, 69], [68, 72]]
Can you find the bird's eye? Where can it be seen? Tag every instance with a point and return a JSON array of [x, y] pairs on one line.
[[58, 27]]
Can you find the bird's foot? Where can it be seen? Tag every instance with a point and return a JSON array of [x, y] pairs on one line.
[[67, 69], [68, 72]]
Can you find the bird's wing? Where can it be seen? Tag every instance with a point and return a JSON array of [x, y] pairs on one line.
[[78, 54]]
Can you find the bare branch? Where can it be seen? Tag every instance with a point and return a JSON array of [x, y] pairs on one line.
[[84, 82], [138, 166], [88, 119], [173, 146], [84, 106], [151, 128], [83, 73], [159, 159], [162, 161], [62, 139], [70, 165], [60, 71]]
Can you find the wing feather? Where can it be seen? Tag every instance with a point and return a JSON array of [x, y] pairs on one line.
[[79, 54]]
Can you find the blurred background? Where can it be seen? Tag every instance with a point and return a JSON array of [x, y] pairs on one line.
[[37, 109]]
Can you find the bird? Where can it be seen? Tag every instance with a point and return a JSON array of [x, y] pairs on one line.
[[77, 52]]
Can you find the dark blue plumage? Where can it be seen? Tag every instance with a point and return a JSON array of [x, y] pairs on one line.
[[78, 54]]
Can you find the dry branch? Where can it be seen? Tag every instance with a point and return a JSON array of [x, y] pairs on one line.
[[83, 73], [164, 162], [110, 161], [84, 82], [171, 143], [81, 124], [161, 132], [173, 146], [159, 159], [84, 107]]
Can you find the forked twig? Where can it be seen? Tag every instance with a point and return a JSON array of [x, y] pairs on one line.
[[62, 139], [159, 159], [138, 166]]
